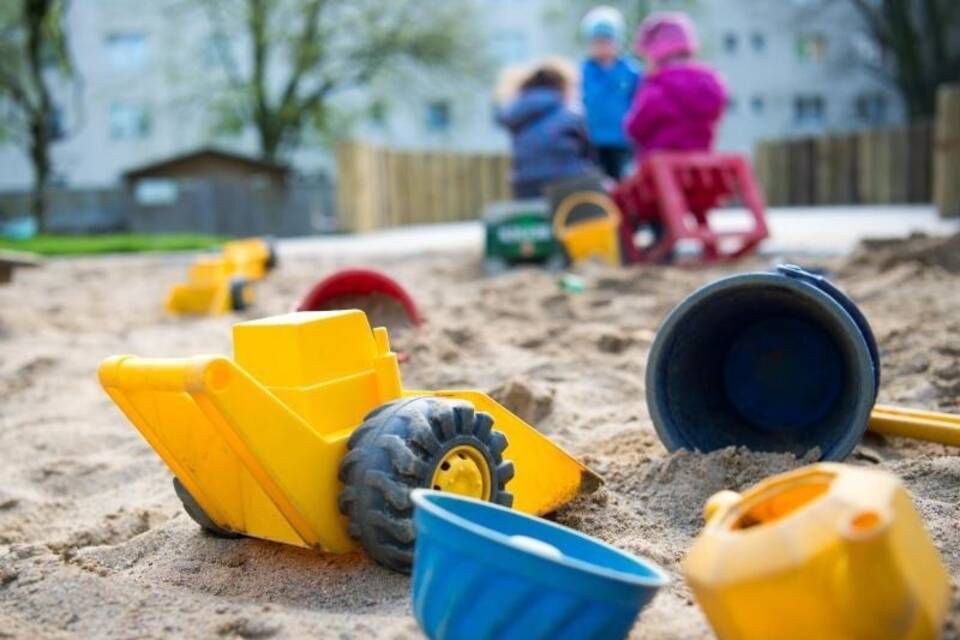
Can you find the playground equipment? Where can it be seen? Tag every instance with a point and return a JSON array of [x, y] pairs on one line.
[[519, 232], [221, 284], [674, 193], [359, 282], [932, 426], [576, 221], [780, 361], [484, 572], [308, 437], [826, 551]]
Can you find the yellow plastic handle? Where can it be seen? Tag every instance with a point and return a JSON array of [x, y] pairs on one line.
[[568, 204], [914, 423]]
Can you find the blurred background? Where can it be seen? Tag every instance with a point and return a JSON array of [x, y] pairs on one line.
[[296, 117]]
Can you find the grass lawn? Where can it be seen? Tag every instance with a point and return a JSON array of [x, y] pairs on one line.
[[70, 245]]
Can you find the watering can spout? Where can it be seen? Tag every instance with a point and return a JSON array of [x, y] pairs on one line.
[[870, 580]]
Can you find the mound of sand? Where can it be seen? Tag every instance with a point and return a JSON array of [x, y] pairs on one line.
[[93, 541]]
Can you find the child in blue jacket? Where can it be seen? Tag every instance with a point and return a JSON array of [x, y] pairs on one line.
[[608, 86], [549, 140]]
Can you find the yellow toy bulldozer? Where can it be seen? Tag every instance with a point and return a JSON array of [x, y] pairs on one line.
[[220, 284], [308, 437]]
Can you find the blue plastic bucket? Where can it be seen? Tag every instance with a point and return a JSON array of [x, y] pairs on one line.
[[482, 571], [780, 361]]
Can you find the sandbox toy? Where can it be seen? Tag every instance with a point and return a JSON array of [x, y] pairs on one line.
[[308, 437], [359, 282], [223, 283], [482, 572], [780, 361], [932, 426], [826, 551], [577, 222], [675, 194]]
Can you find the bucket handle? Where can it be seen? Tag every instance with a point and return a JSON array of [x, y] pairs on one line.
[[798, 273]]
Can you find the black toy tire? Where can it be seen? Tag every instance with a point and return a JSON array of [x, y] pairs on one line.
[[238, 286], [397, 449], [272, 259], [198, 515]]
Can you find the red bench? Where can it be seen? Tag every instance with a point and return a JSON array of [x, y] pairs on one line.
[[678, 190]]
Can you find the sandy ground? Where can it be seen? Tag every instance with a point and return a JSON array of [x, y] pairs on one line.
[[93, 542]]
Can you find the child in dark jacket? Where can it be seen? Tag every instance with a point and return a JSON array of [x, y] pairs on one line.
[[681, 102], [549, 140]]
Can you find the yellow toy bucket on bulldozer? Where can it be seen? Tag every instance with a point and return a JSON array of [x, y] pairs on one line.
[[309, 439]]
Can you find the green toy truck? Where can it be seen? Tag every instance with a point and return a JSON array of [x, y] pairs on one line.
[[520, 232]]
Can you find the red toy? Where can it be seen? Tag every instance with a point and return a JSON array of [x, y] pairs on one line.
[[678, 190], [351, 282]]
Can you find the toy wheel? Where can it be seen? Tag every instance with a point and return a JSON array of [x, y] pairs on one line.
[[411, 443], [198, 515], [241, 295], [271, 262]]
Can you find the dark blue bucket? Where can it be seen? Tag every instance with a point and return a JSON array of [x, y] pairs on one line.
[[780, 361]]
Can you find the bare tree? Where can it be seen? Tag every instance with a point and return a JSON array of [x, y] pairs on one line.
[[296, 55], [920, 45], [32, 46]]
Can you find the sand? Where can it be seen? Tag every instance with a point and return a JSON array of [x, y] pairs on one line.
[[93, 542]]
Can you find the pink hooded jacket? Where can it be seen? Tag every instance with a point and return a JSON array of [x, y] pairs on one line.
[[678, 108]]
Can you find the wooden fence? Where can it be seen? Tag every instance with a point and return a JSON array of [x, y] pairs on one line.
[[380, 187], [946, 158], [879, 166]]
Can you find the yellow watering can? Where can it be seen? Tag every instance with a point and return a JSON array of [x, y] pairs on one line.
[[828, 551]]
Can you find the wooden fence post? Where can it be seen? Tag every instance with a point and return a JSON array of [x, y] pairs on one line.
[[946, 161]]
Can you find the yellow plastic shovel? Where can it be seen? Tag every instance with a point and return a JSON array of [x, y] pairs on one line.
[[914, 423]]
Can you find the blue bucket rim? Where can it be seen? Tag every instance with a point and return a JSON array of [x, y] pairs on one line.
[[787, 278], [424, 499]]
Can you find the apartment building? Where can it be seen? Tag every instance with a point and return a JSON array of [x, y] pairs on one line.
[[145, 69]]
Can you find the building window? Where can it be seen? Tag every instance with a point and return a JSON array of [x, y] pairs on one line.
[[126, 51], [871, 108], [809, 111], [730, 42], [129, 121], [758, 105], [56, 128], [811, 47], [758, 41], [438, 115]]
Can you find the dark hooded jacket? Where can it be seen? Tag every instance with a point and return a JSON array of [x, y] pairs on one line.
[[549, 140]]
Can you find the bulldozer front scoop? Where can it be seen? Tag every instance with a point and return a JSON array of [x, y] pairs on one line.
[[547, 477]]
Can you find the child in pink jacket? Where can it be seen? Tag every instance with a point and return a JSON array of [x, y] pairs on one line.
[[681, 101]]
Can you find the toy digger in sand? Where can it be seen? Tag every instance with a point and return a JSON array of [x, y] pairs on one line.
[[575, 221], [309, 438], [223, 283]]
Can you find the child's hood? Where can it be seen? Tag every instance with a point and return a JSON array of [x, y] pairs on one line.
[[530, 105], [695, 89]]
